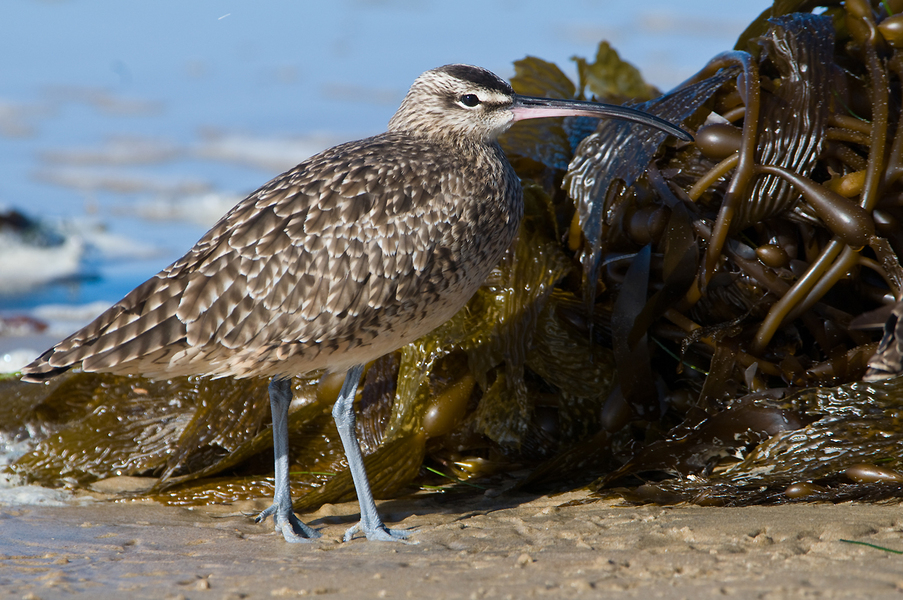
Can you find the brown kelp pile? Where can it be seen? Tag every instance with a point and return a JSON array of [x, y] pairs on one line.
[[667, 307]]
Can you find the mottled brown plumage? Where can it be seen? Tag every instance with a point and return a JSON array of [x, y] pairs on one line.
[[348, 256]]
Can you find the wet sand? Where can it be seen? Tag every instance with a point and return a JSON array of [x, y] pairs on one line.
[[510, 546]]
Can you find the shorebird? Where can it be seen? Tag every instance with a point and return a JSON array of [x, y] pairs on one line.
[[352, 254]]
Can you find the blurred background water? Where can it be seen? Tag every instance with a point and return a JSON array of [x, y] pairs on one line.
[[128, 128]]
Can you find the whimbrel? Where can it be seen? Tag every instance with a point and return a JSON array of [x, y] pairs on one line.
[[352, 254]]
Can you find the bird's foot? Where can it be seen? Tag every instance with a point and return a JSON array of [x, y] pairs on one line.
[[378, 533], [292, 528]]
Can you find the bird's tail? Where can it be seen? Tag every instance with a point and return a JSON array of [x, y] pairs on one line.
[[39, 370]]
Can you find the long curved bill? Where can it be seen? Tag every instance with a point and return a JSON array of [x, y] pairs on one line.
[[529, 107]]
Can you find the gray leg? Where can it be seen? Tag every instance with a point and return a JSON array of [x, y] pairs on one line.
[[293, 530], [343, 413]]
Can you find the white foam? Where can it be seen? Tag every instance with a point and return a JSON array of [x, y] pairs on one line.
[[26, 265]]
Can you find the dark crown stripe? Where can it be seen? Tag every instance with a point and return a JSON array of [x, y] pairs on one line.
[[479, 76]]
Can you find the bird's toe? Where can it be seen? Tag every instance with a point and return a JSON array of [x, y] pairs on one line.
[[293, 529], [379, 533]]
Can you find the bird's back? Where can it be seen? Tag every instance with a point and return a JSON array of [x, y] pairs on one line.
[[346, 257]]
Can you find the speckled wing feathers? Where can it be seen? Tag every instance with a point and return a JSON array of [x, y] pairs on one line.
[[351, 254]]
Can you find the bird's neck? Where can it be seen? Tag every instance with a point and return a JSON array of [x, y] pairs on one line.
[[461, 146], [434, 126]]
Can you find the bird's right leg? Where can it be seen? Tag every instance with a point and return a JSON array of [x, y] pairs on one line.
[[370, 524], [293, 530]]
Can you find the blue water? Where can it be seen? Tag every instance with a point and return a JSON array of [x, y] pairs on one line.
[[76, 74]]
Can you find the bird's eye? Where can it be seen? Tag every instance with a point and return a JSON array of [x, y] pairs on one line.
[[470, 100]]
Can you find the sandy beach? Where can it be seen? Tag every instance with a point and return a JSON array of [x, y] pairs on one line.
[[509, 546]]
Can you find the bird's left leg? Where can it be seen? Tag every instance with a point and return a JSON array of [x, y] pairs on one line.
[[343, 413], [293, 530]]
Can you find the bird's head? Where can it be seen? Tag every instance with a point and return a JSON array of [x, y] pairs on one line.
[[458, 102]]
